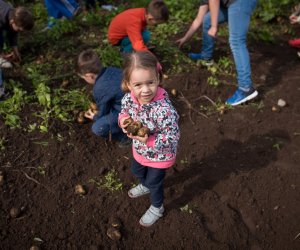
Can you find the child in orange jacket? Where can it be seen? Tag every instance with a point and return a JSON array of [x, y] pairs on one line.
[[128, 29]]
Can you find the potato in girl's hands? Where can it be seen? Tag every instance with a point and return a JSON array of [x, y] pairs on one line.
[[127, 121], [143, 131], [134, 127]]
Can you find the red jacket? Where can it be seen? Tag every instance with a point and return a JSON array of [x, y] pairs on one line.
[[129, 23]]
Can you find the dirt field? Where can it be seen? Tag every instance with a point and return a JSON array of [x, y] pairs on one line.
[[235, 184]]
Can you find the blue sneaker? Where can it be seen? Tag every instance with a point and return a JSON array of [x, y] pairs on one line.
[[198, 56], [241, 96]]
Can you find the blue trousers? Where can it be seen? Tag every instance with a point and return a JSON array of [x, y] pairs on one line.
[[103, 125], [126, 45], [61, 8], [152, 178], [238, 17]]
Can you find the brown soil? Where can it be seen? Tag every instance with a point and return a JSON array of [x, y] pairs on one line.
[[235, 184]]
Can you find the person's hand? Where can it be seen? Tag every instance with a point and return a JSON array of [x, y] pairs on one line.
[[139, 138], [213, 31], [293, 19], [89, 114], [16, 56], [123, 127], [181, 41], [8, 56]]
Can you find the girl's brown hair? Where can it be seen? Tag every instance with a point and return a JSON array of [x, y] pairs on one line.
[[140, 60]]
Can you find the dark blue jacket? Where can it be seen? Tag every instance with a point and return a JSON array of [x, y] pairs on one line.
[[107, 91], [5, 17]]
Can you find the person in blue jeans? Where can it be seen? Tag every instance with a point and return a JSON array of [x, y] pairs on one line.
[[58, 9], [237, 13], [107, 94]]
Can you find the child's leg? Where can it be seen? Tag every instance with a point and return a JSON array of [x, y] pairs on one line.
[[102, 126], [154, 181], [146, 36], [139, 171], [126, 43]]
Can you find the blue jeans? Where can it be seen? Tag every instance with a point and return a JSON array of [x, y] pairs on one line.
[[61, 8], [238, 16], [126, 45], [152, 178], [103, 125]]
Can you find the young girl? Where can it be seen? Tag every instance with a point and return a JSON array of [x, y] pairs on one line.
[[149, 104]]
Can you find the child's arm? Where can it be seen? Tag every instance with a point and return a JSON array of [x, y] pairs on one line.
[[13, 42], [195, 25], [16, 54], [134, 32]]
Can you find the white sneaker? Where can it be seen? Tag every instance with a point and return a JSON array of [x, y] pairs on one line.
[[138, 191], [4, 63], [298, 53], [151, 216]]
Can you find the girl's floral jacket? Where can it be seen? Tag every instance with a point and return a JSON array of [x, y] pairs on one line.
[[162, 119]]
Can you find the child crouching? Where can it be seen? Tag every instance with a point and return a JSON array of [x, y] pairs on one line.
[[107, 95]]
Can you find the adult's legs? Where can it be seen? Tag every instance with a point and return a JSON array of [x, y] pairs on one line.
[[208, 42], [239, 14]]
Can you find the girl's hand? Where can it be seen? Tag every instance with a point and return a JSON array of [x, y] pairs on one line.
[[213, 31], [123, 127], [89, 114], [139, 138]]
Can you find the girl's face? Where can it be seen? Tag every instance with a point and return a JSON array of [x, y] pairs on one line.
[[143, 84]]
